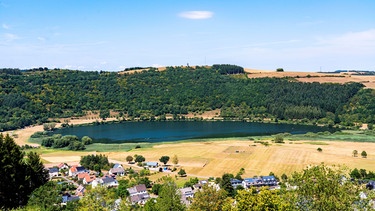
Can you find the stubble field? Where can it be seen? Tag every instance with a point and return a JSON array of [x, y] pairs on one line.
[[213, 158]]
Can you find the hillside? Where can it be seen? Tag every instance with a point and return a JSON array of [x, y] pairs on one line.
[[31, 97]]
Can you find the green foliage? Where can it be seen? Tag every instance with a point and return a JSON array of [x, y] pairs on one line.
[[90, 161], [319, 149], [284, 177], [129, 158], [70, 141], [76, 145], [191, 182], [208, 199], [121, 190], [169, 198], [19, 176], [139, 159], [49, 126], [46, 197], [355, 153], [240, 173], [364, 154], [264, 200], [99, 198], [104, 114], [35, 96], [326, 188], [226, 185], [182, 172], [175, 160], [360, 108], [228, 69], [279, 139], [86, 140], [280, 70], [156, 189], [164, 159]]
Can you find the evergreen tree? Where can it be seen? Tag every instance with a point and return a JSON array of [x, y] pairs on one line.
[[19, 177]]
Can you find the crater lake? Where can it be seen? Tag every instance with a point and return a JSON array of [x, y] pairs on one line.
[[166, 131]]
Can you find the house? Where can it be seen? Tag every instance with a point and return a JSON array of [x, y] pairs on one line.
[[269, 180], [82, 175], [106, 181], [200, 184], [259, 181], [117, 170], [109, 181], [88, 179], [138, 194], [74, 170], [68, 198], [117, 165], [151, 164], [53, 172], [63, 166], [235, 183], [187, 195], [80, 191], [252, 182]]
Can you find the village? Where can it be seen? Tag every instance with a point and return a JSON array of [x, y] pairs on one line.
[[82, 179]]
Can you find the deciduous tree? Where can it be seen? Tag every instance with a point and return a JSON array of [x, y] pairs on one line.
[[169, 198], [129, 158], [208, 199], [164, 159], [355, 153], [326, 188], [175, 160]]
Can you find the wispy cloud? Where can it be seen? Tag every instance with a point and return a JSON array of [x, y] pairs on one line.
[[10, 37], [363, 38], [5, 26], [196, 14], [41, 39]]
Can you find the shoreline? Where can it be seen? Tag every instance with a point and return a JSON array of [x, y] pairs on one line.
[[22, 136]]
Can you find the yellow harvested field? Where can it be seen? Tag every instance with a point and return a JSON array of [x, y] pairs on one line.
[[344, 77], [215, 158]]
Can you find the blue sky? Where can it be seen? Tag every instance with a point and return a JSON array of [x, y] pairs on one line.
[[309, 35]]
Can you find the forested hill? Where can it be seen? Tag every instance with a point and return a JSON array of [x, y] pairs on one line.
[[34, 96]]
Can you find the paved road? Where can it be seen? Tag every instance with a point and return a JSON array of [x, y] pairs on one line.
[[68, 180]]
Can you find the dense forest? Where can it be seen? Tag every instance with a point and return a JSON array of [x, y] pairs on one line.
[[34, 96]]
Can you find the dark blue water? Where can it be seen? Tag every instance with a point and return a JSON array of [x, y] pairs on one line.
[[173, 131]]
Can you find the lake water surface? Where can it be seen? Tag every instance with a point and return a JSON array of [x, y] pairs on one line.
[[182, 130]]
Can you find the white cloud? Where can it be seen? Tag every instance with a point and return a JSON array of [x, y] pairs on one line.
[[41, 39], [10, 37], [196, 14], [5, 26]]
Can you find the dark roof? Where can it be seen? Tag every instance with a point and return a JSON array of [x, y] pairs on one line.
[[137, 189], [234, 181], [107, 180], [80, 168], [138, 198], [53, 170], [66, 199], [117, 170], [268, 178]]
